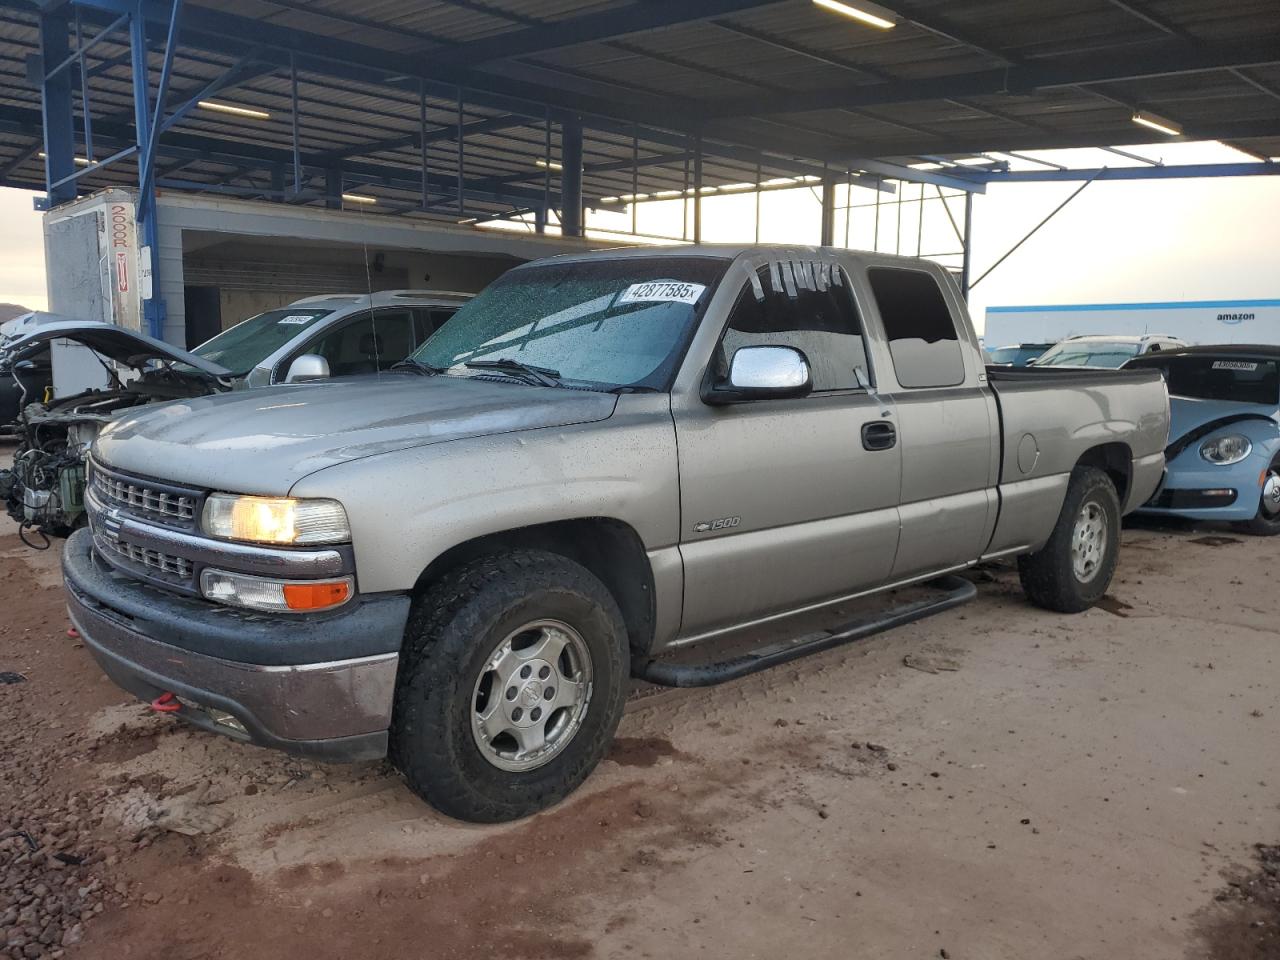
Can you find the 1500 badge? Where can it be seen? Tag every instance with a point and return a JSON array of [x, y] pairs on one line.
[[724, 523]]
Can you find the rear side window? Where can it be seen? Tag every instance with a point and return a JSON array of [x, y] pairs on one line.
[[921, 332], [1238, 380], [815, 315]]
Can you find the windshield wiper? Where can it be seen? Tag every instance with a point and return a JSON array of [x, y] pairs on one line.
[[542, 376], [426, 369]]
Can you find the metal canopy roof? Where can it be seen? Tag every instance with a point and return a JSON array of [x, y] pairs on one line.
[[758, 90]]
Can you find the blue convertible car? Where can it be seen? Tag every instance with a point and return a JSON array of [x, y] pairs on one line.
[[1223, 458]]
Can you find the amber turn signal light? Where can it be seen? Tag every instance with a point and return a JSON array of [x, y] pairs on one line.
[[316, 596]]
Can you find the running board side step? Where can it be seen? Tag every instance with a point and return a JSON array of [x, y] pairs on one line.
[[956, 590]]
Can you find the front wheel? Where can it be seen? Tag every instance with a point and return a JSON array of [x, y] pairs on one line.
[[1072, 571], [1266, 522], [511, 685]]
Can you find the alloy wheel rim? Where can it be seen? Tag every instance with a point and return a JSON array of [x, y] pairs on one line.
[[1089, 542], [532, 695], [1271, 494]]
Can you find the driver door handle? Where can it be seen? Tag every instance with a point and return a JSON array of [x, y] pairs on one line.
[[879, 435]]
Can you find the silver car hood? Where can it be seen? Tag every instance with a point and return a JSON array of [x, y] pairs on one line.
[[264, 441], [128, 347]]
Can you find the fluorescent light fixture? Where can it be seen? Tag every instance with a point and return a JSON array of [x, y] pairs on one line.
[[1157, 123], [610, 199], [736, 187], [668, 194], [359, 198], [868, 13], [632, 197], [80, 161], [234, 111], [543, 164]]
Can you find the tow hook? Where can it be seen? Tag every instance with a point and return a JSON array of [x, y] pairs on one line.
[[166, 703]]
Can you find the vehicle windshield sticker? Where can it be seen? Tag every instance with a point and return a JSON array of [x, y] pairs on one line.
[[1234, 365], [662, 291], [297, 318]]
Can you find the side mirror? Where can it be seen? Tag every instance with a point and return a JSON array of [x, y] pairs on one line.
[[309, 366], [762, 373]]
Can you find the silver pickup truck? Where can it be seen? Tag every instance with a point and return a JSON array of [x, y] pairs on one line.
[[599, 461]]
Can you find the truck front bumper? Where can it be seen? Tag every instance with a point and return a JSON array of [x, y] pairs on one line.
[[151, 643]]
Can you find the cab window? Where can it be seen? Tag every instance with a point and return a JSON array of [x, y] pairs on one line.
[[814, 314], [921, 332]]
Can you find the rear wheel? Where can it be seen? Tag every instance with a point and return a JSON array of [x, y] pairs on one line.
[[511, 685], [1073, 570], [1266, 523]]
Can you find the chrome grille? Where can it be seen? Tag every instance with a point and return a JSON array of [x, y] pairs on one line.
[[153, 560], [140, 497]]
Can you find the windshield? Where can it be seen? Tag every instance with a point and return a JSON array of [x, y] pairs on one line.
[[1096, 353], [1017, 356], [244, 346], [607, 323], [1241, 380]]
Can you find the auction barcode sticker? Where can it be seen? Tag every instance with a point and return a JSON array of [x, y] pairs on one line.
[[297, 318], [662, 291], [1234, 365]]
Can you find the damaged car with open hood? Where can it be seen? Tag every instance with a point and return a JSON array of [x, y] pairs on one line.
[[44, 489]]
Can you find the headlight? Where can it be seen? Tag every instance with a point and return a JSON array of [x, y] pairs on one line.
[[282, 520], [279, 596], [1226, 450]]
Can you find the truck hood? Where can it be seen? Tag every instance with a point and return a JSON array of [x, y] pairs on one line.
[[264, 441]]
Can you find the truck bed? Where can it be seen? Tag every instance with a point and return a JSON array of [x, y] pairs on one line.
[[1052, 418]]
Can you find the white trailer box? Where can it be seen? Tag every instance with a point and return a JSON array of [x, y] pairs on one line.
[[1195, 321], [92, 257]]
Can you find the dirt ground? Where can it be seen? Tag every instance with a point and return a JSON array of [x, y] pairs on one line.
[[997, 782]]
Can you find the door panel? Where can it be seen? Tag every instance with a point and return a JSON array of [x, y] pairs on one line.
[[782, 503], [807, 514], [946, 438]]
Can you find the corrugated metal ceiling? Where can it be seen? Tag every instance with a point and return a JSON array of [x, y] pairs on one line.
[[789, 53]]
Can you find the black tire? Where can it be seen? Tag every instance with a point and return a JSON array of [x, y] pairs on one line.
[[1264, 524], [1049, 577], [452, 632]]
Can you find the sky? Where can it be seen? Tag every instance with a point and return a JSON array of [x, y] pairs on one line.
[[1182, 239]]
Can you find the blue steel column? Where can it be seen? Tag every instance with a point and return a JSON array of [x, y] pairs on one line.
[[59, 125], [571, 177], [967, 263], [153, 309]]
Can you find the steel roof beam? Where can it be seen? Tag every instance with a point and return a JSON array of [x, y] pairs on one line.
[[438, 135], [589, 28], [1022, 79], [1220, 130], [1190, 170]]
